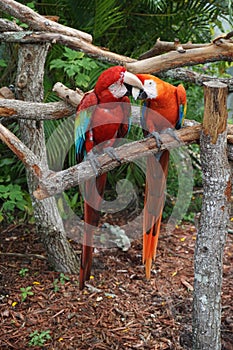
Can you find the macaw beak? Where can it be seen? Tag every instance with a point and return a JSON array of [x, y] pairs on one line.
[[133, 84], [142, 95]]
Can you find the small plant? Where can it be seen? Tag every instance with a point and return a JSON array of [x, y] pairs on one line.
[[12, 198], [39, 338], [23, 272], [76, 65], [62, 279], [25, 292]]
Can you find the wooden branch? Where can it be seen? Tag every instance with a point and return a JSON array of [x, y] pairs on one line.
[[68, 95], [51, 183], [22, 152], [219, 51], [38, 22], [75, 43], [161, 47], [71, 177], [194, 77], [8, 26], [24, 256], [36, 111]]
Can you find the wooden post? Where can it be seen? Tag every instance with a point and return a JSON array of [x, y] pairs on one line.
[[213, 222]]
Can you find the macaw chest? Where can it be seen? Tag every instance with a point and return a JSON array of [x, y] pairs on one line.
[[164, 112], [106, 123]]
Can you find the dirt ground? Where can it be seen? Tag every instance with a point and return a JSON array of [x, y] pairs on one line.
[[118, 309]]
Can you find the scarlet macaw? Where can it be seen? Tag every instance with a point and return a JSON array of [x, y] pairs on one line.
[[102, 117], [164, 109]]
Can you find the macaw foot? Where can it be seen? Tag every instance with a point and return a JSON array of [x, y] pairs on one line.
[[112, 154], [91, 156], [170, 132], [157, 138]]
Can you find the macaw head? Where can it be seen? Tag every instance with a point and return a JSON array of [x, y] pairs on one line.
[[115, 83], [150, 87]]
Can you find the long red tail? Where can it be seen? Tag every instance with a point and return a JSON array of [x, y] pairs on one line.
[[94, 190], [156, 175]]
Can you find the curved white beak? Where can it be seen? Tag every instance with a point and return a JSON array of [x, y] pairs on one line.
[[133, 80]]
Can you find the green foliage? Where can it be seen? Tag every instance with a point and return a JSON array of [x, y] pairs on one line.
[[39, 338], [23, 272], [134, 27], [13, 198], [3, 63], [77, 66], [25, 292], [61, 280]]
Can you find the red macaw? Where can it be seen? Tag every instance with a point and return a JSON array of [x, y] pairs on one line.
[[164, 109], [102, 117]]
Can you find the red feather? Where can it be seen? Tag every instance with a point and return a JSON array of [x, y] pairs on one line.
[[108, 121], [162, 112]]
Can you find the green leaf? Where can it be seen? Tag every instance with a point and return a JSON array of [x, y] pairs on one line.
[[3, 63]]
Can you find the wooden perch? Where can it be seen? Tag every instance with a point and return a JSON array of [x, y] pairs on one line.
[[36, 111], [51, 183], [21, 151], [194, 77], [75, 43], [38, 22], [68, 95], [218, 51], [8, 26], [73, 176], [161, 47]]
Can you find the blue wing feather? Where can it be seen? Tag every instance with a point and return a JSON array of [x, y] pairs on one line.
[[82, 123]]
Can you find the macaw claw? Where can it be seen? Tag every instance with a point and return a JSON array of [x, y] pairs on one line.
[[170, 132], [91, 156], [112, 154], [157, 137]]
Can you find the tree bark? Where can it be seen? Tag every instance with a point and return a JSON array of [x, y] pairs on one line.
[[38, 22], [33, 110], [213, 223], [29, 86]]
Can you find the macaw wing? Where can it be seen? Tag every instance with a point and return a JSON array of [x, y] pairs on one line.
[[82, 123], [182, 101]]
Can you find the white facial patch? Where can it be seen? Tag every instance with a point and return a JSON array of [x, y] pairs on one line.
[[117, 89], [150, 88]]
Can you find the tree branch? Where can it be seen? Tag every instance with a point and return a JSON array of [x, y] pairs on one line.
[[218, 51], [194, 77], [36, 111], [38, 22], [6, 25], [22, 152], [161, 47], [51, 183], [70, 96], [75, 43], [73, 176]]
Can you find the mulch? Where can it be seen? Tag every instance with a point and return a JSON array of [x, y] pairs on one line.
[[118, 309]]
